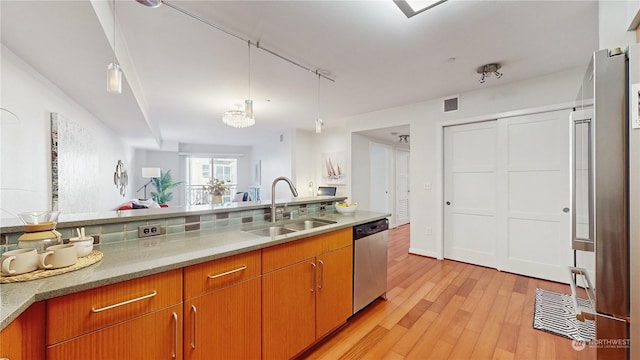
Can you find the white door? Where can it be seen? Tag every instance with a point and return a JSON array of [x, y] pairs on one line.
[[380, 180], [470, 193], [506, 193], [402, 187], [534, 212]]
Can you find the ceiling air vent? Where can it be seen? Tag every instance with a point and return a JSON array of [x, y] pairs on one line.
[[451, 104]]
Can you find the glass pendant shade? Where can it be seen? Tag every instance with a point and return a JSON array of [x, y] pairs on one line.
[[319, 124], [248, 108], [114, 79]]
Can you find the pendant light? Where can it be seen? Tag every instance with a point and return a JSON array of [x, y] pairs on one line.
[[248, 104], [114, 74], [319, 121], [237, 118]]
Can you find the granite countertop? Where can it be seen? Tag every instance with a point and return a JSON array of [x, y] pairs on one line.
[[133, 259]]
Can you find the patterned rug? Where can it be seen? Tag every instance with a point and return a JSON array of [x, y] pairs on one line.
[[553, 312]]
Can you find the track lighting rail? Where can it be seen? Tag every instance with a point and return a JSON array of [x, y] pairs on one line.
[[244, 39]]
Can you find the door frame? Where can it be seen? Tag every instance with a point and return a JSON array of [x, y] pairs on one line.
[[438, 232]]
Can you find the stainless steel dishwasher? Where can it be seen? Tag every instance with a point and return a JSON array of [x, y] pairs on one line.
[[369, 263]]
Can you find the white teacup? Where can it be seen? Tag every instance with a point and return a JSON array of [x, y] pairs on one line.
[[19, 261], [58, 256], [83, 245]]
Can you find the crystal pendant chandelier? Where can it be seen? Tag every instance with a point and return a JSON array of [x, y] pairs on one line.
[[237, 118]]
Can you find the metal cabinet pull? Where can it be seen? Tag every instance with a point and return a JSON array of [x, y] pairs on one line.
[[94, 310], [313, 287], [193, 343], [243, 267], [175, 336], [321, 274]]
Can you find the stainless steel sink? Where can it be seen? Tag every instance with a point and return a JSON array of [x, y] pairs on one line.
[[289, 227], [308, 224], [271, 231]]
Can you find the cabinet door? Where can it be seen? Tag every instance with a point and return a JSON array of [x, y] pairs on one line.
[[334, 296], [288, 310], [79, 313], [28, 328], [224, 324], [153, 336]]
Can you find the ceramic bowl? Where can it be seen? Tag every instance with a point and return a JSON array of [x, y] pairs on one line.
[[83, 246], [346, 210]]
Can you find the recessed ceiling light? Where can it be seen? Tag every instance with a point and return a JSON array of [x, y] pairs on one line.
[[414, 7]]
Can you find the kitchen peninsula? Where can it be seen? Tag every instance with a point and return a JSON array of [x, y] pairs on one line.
[[219, 235]]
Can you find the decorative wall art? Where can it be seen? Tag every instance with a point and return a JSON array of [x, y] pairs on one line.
[[74, 167], [120, 178], [334, 167]]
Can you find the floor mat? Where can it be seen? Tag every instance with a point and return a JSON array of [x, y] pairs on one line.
[[553, 312]]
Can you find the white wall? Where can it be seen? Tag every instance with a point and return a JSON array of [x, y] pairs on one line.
[[613, 22], [25, 160], [276, 157], [426, 120], [304, 169]]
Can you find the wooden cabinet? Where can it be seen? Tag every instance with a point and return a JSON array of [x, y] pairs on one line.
[[271, 303], [334, 298], [157, 335], [135, 319], [306, 292], [28, 328], [223, 309]]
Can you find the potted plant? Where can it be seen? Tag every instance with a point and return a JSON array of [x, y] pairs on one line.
[[163, 184], [216, 188]]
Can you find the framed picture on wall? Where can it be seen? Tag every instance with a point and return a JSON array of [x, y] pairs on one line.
[[333, 167]]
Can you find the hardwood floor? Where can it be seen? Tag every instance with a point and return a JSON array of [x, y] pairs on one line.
[[448, 310]]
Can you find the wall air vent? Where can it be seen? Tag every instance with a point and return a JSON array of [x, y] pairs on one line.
[[451, 104]]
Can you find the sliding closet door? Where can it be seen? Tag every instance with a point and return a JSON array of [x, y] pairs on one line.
[[535, 217], [470, 193], [506, 193]]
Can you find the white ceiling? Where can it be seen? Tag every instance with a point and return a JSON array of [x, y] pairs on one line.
[[182, 74]]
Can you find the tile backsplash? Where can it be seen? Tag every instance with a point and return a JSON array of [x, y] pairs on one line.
[[124, 231]]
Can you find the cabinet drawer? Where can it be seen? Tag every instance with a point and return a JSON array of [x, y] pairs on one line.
[[336, 240], [217, 274], [279, 256], [75, 314], [157, 335]]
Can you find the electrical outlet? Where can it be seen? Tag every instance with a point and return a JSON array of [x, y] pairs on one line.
[[302, 210], [149, 230]]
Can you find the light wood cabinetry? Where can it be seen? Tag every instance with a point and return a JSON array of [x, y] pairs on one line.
[[306, 292], [271, 303], [157, 335], [28, 328], [334, 297], [135, 319], [223, 309]]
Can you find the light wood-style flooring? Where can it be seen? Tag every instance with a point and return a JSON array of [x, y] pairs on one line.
[[448, 310]]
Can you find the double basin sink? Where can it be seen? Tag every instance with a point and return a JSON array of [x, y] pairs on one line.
[[281, 228]]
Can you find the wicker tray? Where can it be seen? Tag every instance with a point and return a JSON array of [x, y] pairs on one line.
[[93, 257]]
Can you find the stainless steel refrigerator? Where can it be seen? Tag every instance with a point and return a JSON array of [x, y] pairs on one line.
[[606, 193]]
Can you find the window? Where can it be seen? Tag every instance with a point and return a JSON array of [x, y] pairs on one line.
[[199, 173]]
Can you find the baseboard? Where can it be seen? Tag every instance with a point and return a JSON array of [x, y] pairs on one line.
[[424, 253]]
